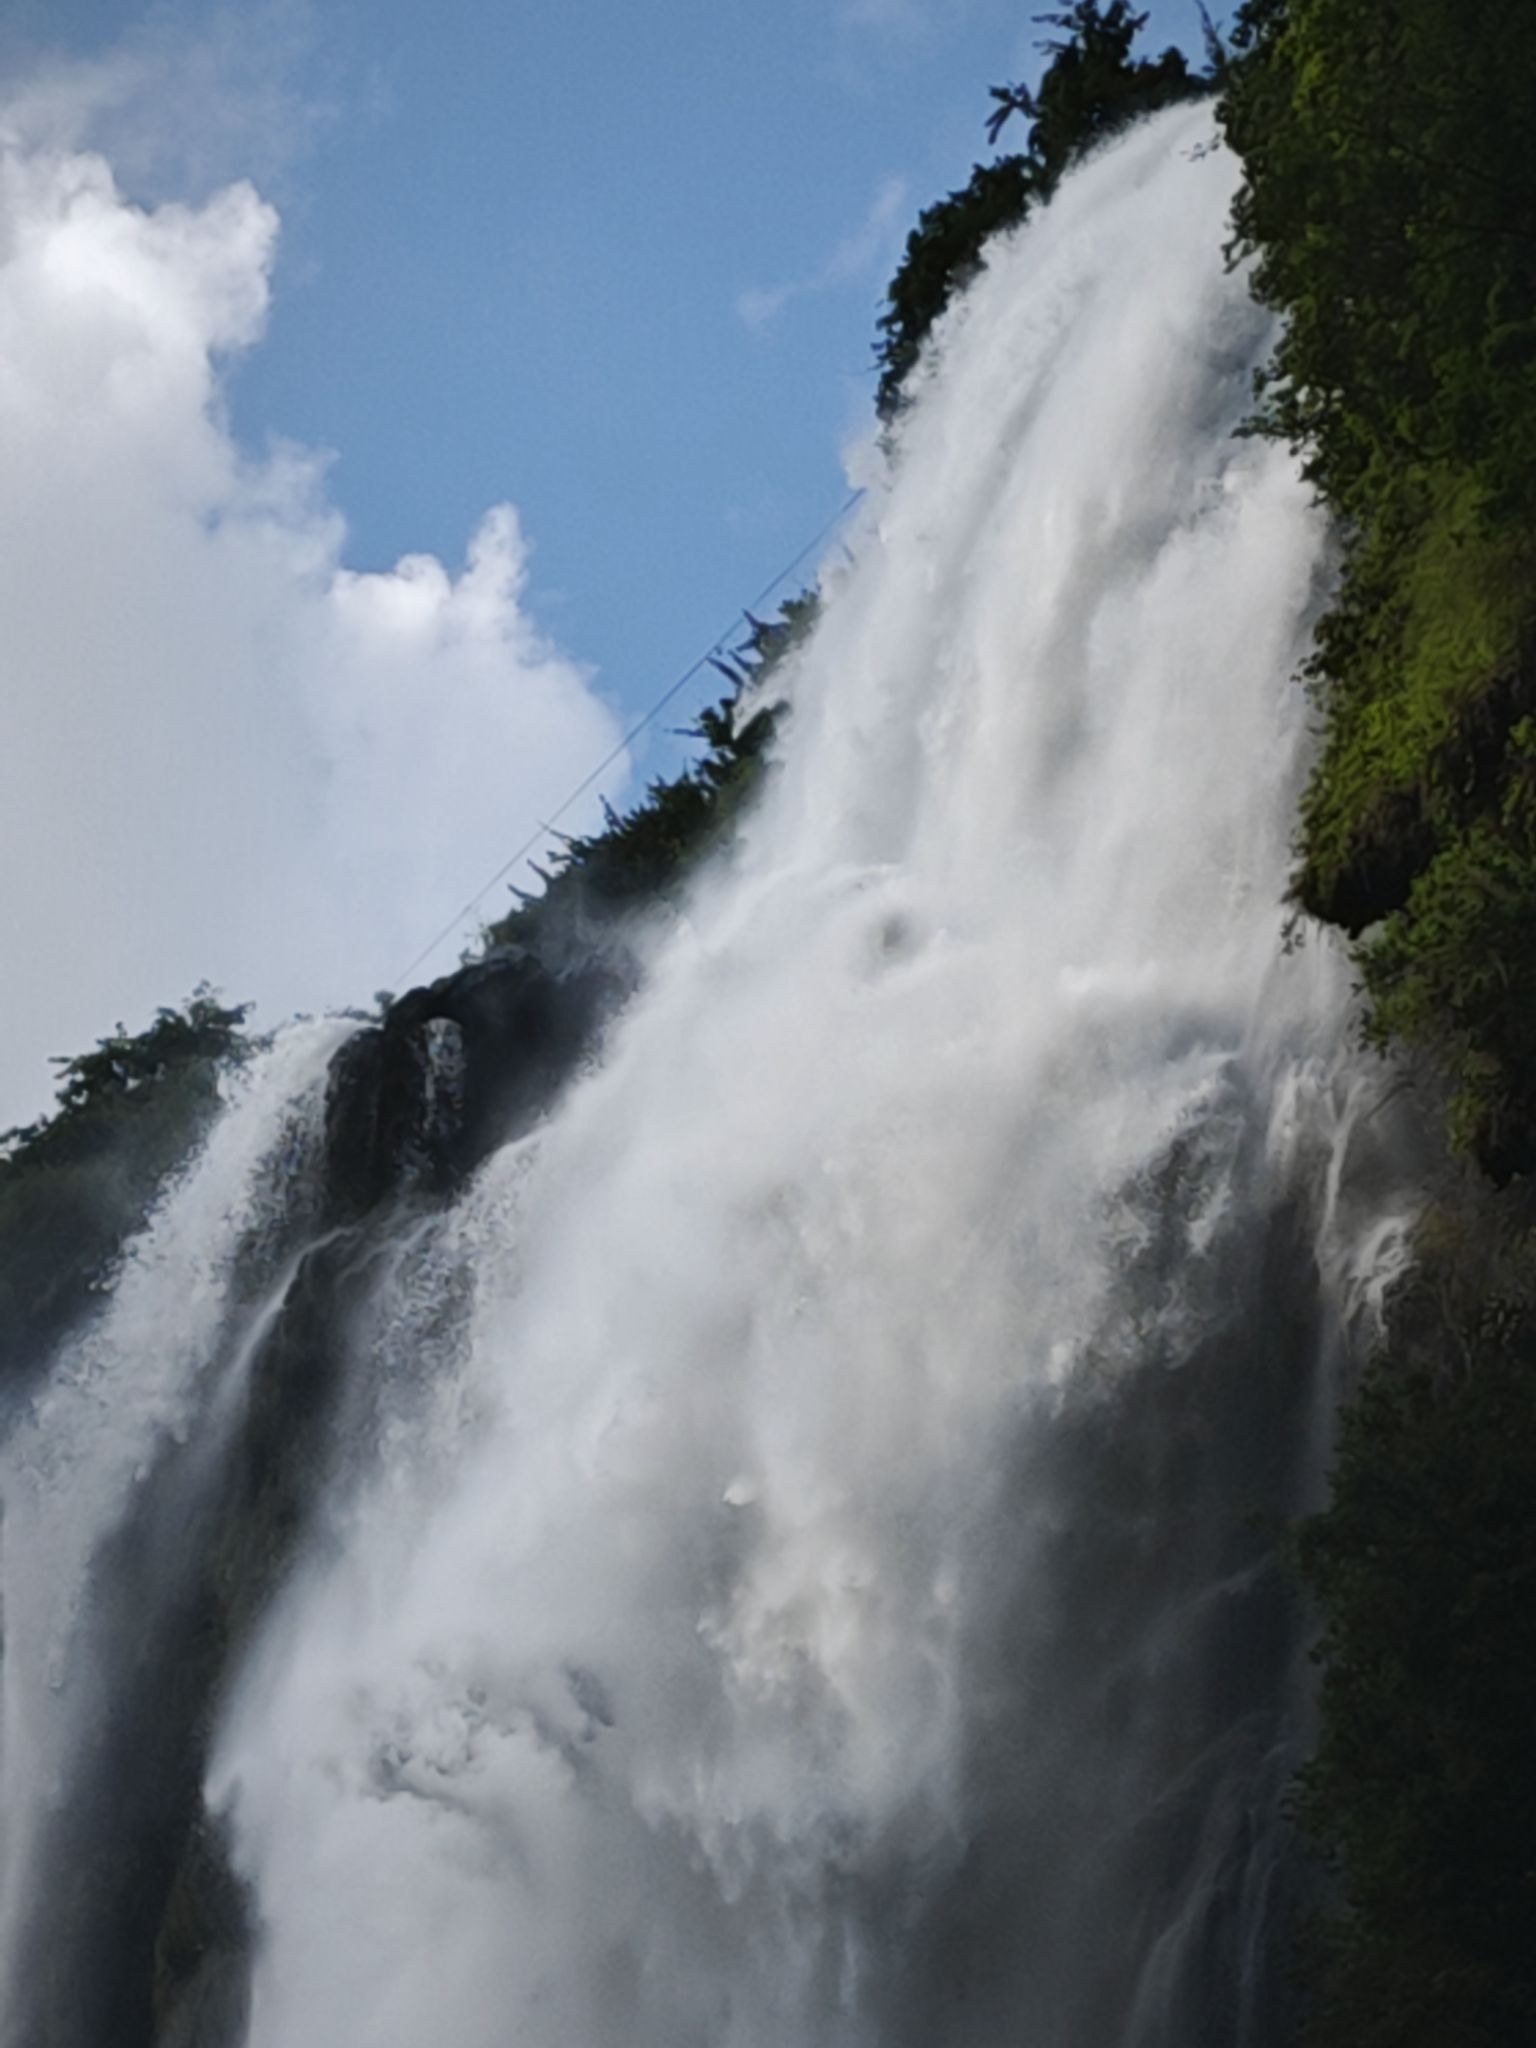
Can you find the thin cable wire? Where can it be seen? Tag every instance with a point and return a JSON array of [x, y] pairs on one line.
[[649, 718]]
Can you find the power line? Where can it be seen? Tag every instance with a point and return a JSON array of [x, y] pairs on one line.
[[634, 732]]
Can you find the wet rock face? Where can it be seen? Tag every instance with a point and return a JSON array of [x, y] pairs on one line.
[[420, 1099]]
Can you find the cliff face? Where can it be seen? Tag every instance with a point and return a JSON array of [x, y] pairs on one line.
[[1389, 204], [454, 1070]]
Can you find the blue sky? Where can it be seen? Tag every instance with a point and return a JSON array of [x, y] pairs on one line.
[[616, 267], [515, 242]]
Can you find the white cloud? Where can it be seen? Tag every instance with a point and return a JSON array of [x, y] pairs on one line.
[[222, 754], [852, 259]]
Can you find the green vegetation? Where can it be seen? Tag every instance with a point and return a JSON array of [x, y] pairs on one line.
[[1422, 1792], [1091, 87], [1390, 202], [643, 854], [76, 1183]]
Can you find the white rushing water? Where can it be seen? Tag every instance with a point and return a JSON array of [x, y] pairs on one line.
[[738, 1636], [792, 1572], [161, 1365]]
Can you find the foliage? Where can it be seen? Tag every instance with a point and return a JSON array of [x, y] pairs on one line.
[[642, 854], [93, 1087], [1390, 199], [76, 1183], [1421, 1792], [1389, 202], [1091, 87], [943, 254]]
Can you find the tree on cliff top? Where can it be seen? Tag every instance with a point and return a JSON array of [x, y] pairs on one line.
[[1091, 87], [75, 1184]]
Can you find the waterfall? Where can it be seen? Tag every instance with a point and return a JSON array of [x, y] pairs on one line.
[[794, 1560], [125, 1438]]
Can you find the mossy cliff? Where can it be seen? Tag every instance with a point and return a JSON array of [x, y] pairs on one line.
[[1422, 1793], [1389, 202]]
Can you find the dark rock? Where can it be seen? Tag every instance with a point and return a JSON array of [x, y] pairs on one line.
[[453, 1070]]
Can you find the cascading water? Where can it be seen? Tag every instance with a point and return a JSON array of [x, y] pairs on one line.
[[124, 1440], [793, 1570]]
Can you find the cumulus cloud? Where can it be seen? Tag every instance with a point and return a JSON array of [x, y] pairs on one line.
[[853, 258], [225, 755]]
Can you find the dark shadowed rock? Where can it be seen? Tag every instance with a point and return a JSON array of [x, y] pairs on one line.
[[452, 1071]]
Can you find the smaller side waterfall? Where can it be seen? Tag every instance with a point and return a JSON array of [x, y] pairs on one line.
[[109, 1482]]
